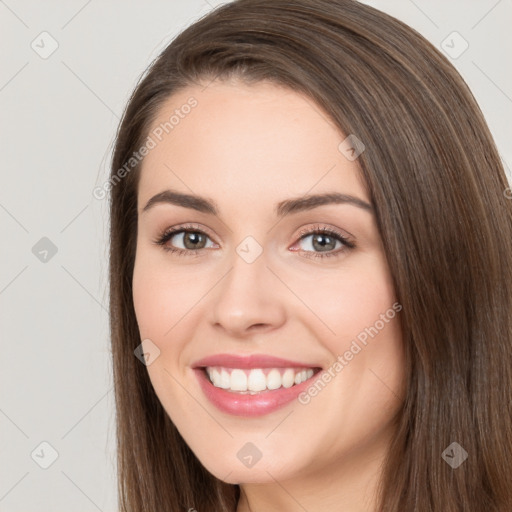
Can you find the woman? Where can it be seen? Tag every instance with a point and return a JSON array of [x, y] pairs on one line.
[[311, 253]]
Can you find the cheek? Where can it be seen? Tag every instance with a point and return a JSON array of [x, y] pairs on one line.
[[148, 302], [352, 299], [359, 308], [364, 388], [160, 297]]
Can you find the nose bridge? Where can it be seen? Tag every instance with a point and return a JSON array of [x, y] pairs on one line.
[[244, 297], [244, 283]]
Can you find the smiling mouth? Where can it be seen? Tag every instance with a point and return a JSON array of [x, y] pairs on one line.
[[257, 380]]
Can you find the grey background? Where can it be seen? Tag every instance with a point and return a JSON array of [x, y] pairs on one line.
[[59, 116]]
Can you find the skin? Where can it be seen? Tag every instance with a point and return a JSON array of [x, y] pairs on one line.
[[248, 147]]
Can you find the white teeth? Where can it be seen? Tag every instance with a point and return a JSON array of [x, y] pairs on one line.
[[238, 380], [255, 380], [225, 380], [288, 378], [215, 376], [274, 379], [300, 377]]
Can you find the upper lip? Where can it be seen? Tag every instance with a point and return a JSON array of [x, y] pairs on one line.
[[249, 361]]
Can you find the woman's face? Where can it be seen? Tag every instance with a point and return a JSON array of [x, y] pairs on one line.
[[256, 285]]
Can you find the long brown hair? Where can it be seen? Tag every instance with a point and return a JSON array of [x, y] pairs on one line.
[[438, 187]]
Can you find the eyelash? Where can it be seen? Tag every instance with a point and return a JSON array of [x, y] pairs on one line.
[[164, 237]]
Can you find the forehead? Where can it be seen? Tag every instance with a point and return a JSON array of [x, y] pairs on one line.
[[246, 142]]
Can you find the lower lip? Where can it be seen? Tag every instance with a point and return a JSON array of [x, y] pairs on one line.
[[248, 405]]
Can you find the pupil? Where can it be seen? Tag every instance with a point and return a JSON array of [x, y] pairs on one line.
[[327, 240], [193, 238]]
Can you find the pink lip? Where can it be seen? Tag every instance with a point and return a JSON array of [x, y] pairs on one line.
[[247, 405], [251, 361]]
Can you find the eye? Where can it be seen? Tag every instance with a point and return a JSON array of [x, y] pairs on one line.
[[324, 240], [189, 237]]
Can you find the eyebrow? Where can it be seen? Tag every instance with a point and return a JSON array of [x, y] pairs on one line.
[[283, 208]]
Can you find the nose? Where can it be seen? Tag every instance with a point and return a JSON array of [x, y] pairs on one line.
[[248, 299]]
